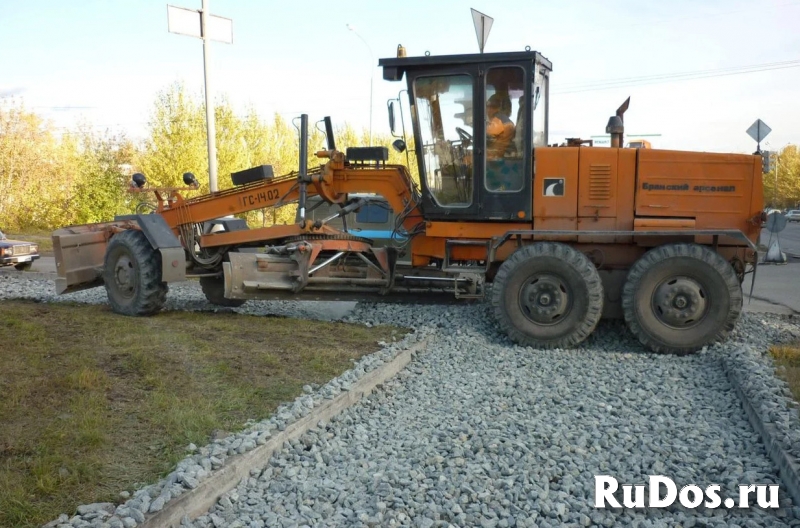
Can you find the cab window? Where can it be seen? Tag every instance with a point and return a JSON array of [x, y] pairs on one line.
[[444, 112], [373, 214], [506, 116]]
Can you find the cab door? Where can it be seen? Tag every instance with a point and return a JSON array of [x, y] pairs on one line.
[[504, 180], [467, 173], [442, 102]]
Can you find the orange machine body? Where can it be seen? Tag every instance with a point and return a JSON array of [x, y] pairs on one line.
[[625, 190]]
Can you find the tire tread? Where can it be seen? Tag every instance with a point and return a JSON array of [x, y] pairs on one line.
[[152, 294], [668, 251], [569, 256]]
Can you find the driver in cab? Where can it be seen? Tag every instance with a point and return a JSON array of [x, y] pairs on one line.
[[499, 127]]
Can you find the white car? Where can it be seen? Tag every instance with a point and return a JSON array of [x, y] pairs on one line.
[[793, 215]]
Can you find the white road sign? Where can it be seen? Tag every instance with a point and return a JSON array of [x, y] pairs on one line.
[[758, 130], [187, 22], [483, 24]]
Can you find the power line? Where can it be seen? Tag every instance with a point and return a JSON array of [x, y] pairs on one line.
[[669, 21], [674, 77]]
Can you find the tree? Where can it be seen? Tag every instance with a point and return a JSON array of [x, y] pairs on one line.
[[782, 183], [100, 178], [33, 188]]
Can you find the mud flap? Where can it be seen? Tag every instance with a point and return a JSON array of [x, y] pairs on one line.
[[161, 237]]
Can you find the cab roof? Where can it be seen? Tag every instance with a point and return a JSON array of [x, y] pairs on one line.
[[394, 68]]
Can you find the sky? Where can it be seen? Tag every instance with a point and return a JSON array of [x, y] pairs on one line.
[[104, 62]]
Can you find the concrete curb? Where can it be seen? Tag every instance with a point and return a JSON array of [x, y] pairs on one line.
[[198, 501], [788, 467]]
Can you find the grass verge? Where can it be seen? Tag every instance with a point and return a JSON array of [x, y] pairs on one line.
[[94, 403], [788, 357]]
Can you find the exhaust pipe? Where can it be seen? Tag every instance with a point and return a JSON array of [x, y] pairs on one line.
[[616, 125], [303, 168]]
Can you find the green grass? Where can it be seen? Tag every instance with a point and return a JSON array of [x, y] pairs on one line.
[[93, 402]]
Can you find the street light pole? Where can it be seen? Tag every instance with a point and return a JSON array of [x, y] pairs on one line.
[[211, 128], [371, 77]]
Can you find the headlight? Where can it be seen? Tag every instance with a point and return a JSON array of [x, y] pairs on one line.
[[7, 252], [34, 248]]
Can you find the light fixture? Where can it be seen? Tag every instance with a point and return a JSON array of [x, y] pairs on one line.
[[139, 180]]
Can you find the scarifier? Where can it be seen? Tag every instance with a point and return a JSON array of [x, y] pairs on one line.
[[564, 234]]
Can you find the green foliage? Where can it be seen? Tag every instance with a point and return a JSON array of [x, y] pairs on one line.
[[98, 163], [32, 191], [47, 181]]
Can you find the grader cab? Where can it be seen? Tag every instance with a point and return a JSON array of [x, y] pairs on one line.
[[559, 236]]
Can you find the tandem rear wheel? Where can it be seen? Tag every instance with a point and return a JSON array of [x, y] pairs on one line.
[[678, 298], [547, 295]]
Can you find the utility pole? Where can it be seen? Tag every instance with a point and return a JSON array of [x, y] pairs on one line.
[[202, 24], [210, 124]]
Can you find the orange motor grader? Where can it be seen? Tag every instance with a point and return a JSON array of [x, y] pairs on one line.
[[563, 234]]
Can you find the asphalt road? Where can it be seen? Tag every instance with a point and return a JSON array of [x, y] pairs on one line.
[[789, 238]]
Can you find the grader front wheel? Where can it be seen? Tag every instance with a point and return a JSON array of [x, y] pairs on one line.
[[548, 295], [679, 298], [132, 275]]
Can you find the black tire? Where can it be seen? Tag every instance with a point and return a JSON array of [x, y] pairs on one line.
[[547, 295], [132, 275], [214, 290], [23, 266], [679, 298]]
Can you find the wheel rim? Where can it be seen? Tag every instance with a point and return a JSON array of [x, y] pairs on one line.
[[680, 302], [545, 299], [125, 277]]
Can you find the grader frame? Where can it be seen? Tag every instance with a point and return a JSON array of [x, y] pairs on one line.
[[566, 234]]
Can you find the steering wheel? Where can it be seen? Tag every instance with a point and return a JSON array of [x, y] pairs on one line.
[[465, 136]]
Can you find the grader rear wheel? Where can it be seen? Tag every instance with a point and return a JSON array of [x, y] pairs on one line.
[[679, 298], [548, 295], [132, 275]]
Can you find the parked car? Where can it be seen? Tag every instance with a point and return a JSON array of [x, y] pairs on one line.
[[17, 253], [793, 215]]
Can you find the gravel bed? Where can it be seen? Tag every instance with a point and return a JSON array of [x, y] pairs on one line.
[[480, 432]]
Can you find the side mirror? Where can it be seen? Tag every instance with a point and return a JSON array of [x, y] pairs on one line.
[[391, 116]]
